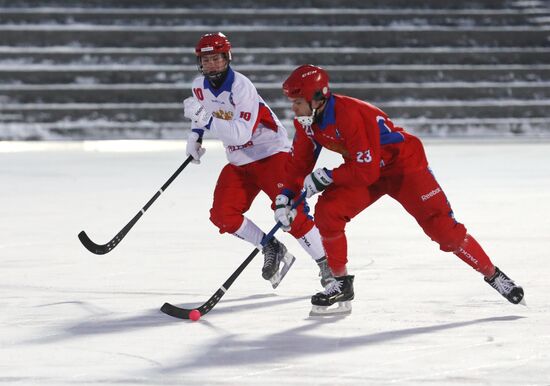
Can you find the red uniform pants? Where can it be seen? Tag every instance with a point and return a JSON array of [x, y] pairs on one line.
[[238, 186], [419, 193]]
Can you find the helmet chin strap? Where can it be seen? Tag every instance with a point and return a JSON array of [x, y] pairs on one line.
[[217, 78], [307, 120]]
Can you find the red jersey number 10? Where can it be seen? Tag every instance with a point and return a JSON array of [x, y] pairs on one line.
[[198, 93], [245, 115]]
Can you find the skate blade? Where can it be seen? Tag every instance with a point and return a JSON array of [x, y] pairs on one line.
[[287, 261], [343, 308]]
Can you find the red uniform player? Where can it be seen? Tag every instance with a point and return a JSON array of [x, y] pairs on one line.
[[379, 159]]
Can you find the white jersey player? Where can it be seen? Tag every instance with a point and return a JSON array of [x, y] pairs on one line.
[[249, 130], [226, 103]]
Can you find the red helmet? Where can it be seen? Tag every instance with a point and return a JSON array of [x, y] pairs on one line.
[[216, 43], [308, 82]]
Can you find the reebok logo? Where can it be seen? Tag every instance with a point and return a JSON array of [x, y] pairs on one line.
[[427, 196]]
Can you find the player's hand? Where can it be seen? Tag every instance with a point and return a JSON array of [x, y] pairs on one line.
[[283, 211], [317, 181], [194, 147], [196, 112]]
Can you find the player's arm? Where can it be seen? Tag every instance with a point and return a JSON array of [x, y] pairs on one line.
[[304, 155], [194, 139], [195, 110]]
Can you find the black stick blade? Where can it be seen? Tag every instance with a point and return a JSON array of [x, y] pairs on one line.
[[93, 247], [183, 313], [99, 249], [176, 312]]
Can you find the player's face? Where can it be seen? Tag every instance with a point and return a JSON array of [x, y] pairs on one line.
[[300, 107], [213, 64]]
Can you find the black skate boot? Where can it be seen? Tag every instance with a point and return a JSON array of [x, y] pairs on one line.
[[506, 287], [324, 272], [338, 291], [276, 253]]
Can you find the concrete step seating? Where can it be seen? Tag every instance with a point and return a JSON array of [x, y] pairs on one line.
[[100, 70]]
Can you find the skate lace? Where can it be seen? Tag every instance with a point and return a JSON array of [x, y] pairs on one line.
[[333, 287], [503, 285], [268, 261], [270, 252]]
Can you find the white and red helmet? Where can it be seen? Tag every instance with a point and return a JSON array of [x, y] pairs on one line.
[[309, 82], [213, 43]]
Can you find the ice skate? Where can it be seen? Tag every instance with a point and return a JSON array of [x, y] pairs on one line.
[[325, 272], [506, 287], [276, 253], [338, 292]]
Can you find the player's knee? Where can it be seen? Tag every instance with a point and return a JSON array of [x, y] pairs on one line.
[[445, 231], [226, 223], [329, 219]]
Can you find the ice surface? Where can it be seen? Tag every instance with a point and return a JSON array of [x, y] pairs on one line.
[[420, 316]]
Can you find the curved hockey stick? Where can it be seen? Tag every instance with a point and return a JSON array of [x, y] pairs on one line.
[[183, 313], [101, 249]]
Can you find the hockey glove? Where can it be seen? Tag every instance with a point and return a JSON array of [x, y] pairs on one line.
[[283, 212], [196, 112], [194, 148], [317, 181]]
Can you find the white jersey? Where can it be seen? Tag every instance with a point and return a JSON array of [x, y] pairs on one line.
[[248, 128]]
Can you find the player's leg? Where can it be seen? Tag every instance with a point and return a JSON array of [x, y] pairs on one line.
[[235, 191], [422, 196], [335, 208], [233, 196]]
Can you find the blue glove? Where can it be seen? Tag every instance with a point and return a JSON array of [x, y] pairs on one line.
[[317, 181]]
